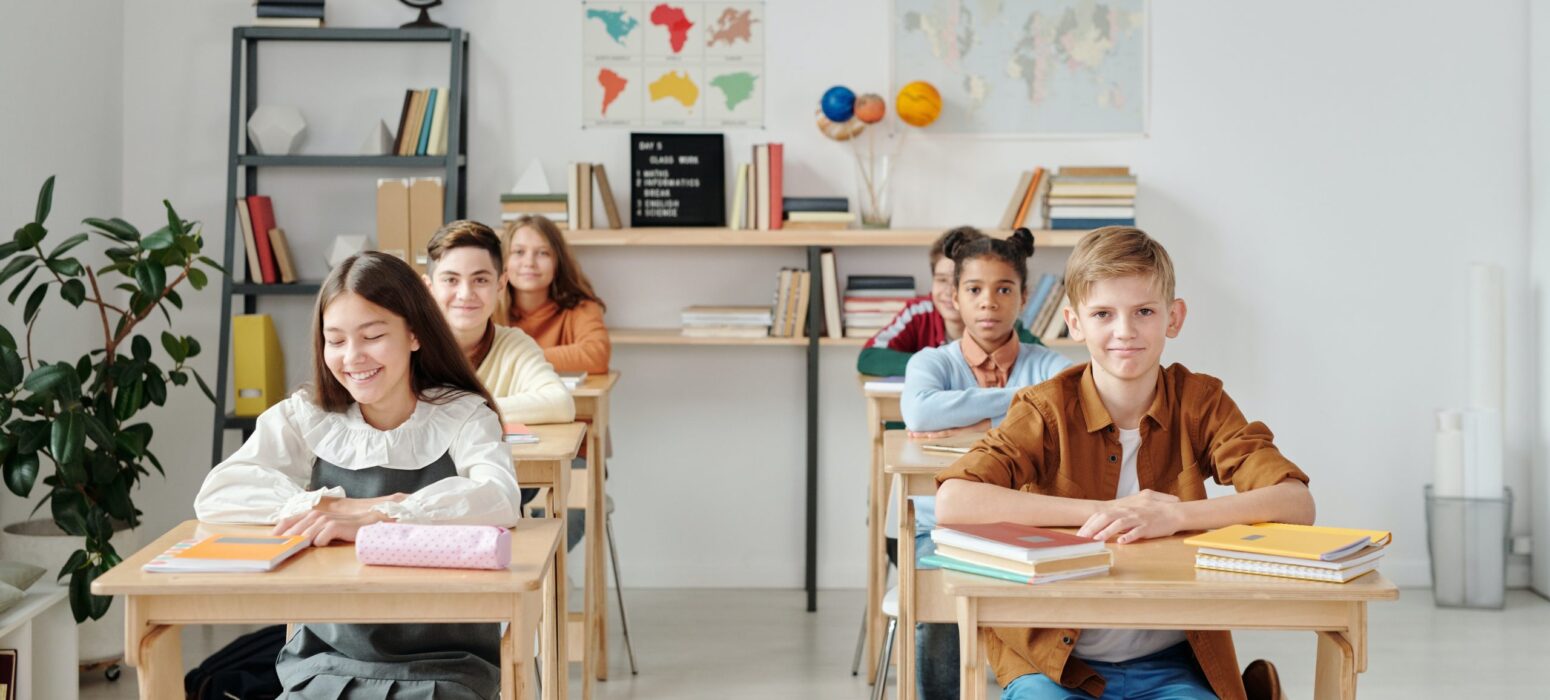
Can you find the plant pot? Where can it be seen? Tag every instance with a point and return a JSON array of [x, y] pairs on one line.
[[41, 542]]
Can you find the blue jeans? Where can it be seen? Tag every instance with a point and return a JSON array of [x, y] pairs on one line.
[[936, 660], [1170, 674]]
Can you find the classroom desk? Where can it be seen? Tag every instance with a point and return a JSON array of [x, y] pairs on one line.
[[1155, 585], [546, 464], [327, 584], [592, 407], [881, 407], [921, 595]]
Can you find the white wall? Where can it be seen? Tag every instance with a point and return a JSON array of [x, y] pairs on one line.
[[64, 117], [1539, 262], [1320, 174]]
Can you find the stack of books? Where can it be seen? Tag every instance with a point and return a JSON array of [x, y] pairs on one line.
[[871, 301], [793, 290], [422, 123], [573, 380], [762, 205], [1018, 553], [820, 213], [1309, 552], [268, 253], [551, 206], [726, 322], [1087, 197], [289, 13], [579, 201], [1026, 207]]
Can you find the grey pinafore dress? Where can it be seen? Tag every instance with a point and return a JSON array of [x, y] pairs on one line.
[[389, 662]]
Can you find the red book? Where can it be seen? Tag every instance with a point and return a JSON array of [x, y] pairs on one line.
[[776, 173], [262, 212], [1024, 543]]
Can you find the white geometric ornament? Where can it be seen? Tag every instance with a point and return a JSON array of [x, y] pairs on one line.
[[379, 142], [344, 247], [275, 130], [533, 180]]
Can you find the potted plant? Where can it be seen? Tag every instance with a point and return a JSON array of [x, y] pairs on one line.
[[79, 414]]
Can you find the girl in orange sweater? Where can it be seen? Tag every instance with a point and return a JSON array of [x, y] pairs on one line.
[[550, 299]]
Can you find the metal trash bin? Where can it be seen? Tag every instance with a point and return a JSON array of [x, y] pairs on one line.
[[1468, 540]]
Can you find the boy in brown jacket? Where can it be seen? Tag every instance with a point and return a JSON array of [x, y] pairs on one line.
[[1121, 447]]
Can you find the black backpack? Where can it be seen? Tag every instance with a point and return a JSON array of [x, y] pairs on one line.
[[241, 670]]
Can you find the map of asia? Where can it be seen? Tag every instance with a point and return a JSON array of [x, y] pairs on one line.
[[667, 64]]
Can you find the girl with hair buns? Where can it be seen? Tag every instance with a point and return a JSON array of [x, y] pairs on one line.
[[395, 426], [968, 386]]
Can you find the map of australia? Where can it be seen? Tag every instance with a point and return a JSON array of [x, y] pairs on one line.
[[675, 22], [677, 86], [618, 23]]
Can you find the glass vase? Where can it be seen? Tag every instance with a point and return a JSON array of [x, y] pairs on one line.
[[875, 157]]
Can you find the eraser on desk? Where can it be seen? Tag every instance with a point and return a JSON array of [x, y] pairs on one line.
[[435, 546]]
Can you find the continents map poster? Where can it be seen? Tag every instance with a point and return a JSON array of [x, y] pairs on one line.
[[1039, 68], [672, 64]]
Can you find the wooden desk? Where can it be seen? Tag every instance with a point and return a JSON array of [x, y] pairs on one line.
[[921, 596], [881, 407], [327, 584], [546, 464], [1155, 585], [592, 406]]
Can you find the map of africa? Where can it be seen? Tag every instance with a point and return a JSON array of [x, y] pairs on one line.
[[1059, 67], [677, 25], [618, 23]]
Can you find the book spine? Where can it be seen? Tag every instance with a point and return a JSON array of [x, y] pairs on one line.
[[1083, 224], [424, 143], [308, 11], [777, 175], [813, 204], [942, 562], [262, 211]]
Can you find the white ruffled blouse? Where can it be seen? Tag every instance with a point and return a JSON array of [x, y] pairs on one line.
[[266, 480]]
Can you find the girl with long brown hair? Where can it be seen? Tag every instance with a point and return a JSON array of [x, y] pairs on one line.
[[550, 299], [395, 426]]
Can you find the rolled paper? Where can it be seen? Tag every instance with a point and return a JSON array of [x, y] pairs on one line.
[[1482, 453], [435, 546], [1448, 464]]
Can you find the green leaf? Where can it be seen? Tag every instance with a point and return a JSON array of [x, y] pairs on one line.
[[174, 347], [7, 445], [116, 500], [11, 369], [178, 377], [156, 388], [30, 235], [68, 243], [160, 240], [140, 348], [83, 368], [104, 470], [197, 278], [118, 228], [156, 463], [68, 440], [81, 603], [45, 199], [73, 291], [16, 265], [6, 340], [193, 345], [130, 399], [69, 509], [77, 560], [173, 220], [30, 435], [98, 432], [204, 387], [21, 471], [67, 267], [151, 277], [211, 263], [8, 248], [133, 444], [46, 378], [22, 286], [34, 303], [176, 299]]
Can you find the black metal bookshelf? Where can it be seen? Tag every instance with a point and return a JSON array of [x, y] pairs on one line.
[[242, 169]]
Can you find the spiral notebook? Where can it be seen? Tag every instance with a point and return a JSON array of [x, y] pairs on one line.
[[1264, 568]]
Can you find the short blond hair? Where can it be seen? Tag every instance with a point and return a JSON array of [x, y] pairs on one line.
[[1117, 251]]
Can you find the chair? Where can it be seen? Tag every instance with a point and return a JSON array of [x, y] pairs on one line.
[[891, 609], [613, 554]]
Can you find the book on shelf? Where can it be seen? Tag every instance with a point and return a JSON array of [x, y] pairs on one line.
[[282, 255], [393, 217], [517, 433], [1086, 224], [1031, 211], [253, 273], [727, 315], [803, 297], [814, 204], [1093, 212], [561, 220], [1055, 329], [228, 554], [884, 385], [1043, 567], [1015, 204], [726, 331], [1014, 541], [941, 562], [422, 144], [261, 211], [437, 143], [403, 120], [769, 171], [1037, 299], [822, 217], [893, 283], [815, 225], [573, 380], [1093, 171], [738, 219], [289, 22], [266, 10], [409, 131], [553, 207], [831, 294], [605, 192], [1287, 540], [427, 202]]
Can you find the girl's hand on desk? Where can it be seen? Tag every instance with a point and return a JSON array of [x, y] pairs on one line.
[[1144, 515], [979, 427], [325, 526]]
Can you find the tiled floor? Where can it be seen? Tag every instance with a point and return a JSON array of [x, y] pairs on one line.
[[754, 644]]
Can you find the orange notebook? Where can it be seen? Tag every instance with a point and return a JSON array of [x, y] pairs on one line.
[[227, 553]]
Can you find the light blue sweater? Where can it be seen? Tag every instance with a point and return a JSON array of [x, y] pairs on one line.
[[940, 391]]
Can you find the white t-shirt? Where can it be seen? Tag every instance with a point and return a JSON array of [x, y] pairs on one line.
[[1111, 645]]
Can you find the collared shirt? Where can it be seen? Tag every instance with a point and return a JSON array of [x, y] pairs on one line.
[[990, 368], [482, 348], [1059, 440]]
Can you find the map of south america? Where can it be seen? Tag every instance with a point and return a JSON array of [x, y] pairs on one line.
[[613, 84]]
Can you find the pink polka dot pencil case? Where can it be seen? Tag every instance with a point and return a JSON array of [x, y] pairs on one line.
[[436, 546]]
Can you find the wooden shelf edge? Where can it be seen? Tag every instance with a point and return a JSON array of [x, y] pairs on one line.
[[675, 336], [716, 237]]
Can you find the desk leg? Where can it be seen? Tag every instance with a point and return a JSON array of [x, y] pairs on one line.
[[161, 663], [905, 634], [877, 546], [1335, 678], [556, 663], [595, 615], [517, 647], [971, 671]]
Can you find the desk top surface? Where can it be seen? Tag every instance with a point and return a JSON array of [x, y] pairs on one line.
[[596, 385], [1165, 568], [905, 455], [334, 569], [890, 394], [556, 442]]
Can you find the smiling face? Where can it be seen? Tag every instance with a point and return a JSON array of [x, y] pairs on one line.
[[943, 291], [990, 296], [464, 284], [1124, 321], [530, 262], [367, 350]]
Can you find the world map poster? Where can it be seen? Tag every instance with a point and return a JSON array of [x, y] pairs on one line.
[[672, 64], [1045, 68]]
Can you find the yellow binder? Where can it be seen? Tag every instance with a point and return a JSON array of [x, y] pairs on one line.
[[258, 367], [1279, 539]]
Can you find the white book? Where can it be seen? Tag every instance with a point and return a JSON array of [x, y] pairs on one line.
[[1309, 573], [887, 385], [1092, 212], [1370, 554]]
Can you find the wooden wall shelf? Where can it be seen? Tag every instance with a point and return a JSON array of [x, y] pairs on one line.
[[674, 336], [713, 237]]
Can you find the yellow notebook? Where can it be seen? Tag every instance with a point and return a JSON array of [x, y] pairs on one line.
[[1297, 541], [227, 553], [258, 366]]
